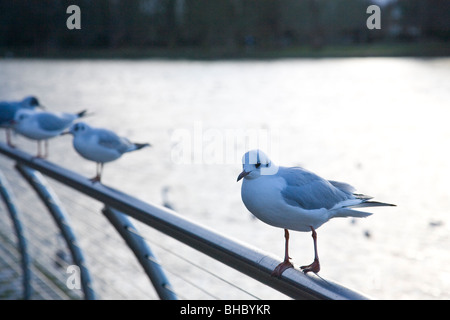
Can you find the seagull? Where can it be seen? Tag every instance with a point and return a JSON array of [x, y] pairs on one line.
[[296, 199], [43, 125], [100, 145], [165, 198], [8, 110]]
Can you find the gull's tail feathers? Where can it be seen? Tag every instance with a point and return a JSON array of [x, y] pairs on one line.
[[348, 212]]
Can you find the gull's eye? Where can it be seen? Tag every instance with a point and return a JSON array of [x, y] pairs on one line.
[[257, 165]]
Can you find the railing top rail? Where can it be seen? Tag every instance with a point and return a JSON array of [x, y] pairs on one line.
[[244, 258]]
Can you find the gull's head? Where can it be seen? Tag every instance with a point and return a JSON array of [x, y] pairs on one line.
[[22, 115], [31, 102], [255, 164], [78, 129]]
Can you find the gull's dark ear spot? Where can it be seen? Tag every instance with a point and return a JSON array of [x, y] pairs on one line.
[[34, 101]]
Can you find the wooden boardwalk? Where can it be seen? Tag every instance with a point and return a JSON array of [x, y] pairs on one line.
[[11, 287]]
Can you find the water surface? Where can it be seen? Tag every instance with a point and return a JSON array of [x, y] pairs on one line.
[[381, 124]]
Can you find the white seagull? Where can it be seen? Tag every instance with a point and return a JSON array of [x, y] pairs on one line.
[[296, 199], [43, 125], [100, 145], [8, 111]]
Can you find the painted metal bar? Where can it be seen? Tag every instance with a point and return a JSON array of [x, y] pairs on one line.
[[240, 256], [54, 206], [8, 199], [142, 252]]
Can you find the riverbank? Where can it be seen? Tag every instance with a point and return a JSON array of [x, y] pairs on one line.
[[417, 49]]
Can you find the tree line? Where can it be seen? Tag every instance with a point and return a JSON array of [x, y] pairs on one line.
[[233, 24]]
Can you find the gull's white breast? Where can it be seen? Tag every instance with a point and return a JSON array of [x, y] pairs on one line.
[[88, 146], [30, 129], [262, 197]]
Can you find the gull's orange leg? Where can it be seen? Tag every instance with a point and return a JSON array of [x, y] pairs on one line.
[[315, 266], [286, 264]]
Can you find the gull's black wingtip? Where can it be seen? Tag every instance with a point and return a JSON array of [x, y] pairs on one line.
[[377, 203], [81, 113], [142, 145]]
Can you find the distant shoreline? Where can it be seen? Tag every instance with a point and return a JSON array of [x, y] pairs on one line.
[[417, 49]]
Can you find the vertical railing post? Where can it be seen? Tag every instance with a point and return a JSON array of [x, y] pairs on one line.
[[54, 206], [21, 239]]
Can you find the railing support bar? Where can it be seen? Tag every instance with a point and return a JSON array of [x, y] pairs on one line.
[[142, 252], [51, 201], [8, 199]]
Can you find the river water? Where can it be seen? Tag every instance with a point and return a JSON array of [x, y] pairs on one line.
[[380, 124]]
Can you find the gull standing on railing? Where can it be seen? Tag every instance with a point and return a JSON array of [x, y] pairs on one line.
[[296, 199], [8, 110], [100, 145], [43, 125]]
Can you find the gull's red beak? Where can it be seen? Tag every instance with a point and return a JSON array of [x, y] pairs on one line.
[[242, 174]]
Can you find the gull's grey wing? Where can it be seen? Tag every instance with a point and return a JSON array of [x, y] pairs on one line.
[[109, 139], [309, 191], [54, 122], [7, 111], [345, 187]]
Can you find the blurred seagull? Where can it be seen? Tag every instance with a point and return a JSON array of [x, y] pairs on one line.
[[42, 125], [100, 145], [165, 198], [296, 199], [8, 110]]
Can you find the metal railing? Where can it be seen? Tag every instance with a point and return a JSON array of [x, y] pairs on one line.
[[247, 260]]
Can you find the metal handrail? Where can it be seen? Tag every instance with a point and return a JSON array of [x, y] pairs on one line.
[[240, 256]]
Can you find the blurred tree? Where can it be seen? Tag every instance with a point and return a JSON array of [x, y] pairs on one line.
[[210, 23], [227, 24], [426, 19]]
